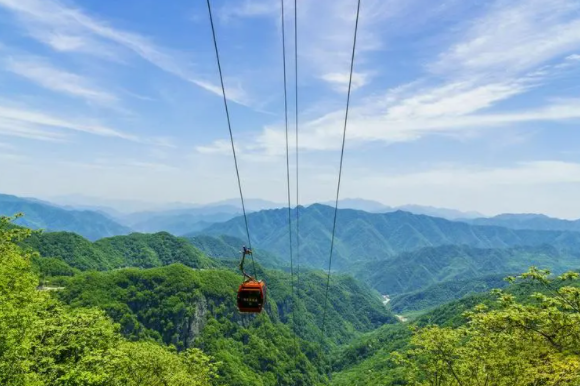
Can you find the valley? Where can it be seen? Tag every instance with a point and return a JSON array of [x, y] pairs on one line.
[[179, 291]]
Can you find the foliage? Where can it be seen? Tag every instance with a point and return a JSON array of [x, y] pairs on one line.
[[46, 267], [74, 250], [196, 308], [43, 342], [412, 271], [366, 360], [441, 293], [153, 250], [534, 343], [228, 247], [42, 215], [134, 250]]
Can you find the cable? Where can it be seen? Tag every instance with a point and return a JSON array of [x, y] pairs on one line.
[[288, 180], [296, 127], [340, 171], [231, 135]]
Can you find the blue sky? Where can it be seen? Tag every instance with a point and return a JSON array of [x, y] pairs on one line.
[[471, 105]]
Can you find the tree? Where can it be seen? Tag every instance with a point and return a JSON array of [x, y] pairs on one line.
[[43, 342], [536, 342]]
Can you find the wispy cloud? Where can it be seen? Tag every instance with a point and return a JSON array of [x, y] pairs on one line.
[[18, 128], [514, 47], [325, 29], [514, 36], [72, 30], [340, 80], [33, 124], [41, 72], [249, 8]]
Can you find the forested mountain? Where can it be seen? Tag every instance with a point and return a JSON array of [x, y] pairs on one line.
[[411, 271], [377, 207], [44, 342], [193, 310], [134, 250], [362, 236], [512, 338], [41, 215], [527, 221], [444, 292], [187, 308], [229, 247]]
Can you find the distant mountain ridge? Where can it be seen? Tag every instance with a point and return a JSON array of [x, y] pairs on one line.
[[42, 215], [178, 221], [363, 236], [417, 270], [527, 221], [120, 208], [377, 207], [229, 247]]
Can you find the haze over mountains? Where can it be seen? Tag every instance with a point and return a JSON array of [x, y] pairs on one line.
[[41, 215]]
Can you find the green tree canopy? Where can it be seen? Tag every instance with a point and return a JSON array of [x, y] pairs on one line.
[[535, 342], [43, 342]]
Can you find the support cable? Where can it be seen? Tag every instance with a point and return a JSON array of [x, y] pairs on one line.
[[296, 150], [340, 172], [288, 179], [231, 135]]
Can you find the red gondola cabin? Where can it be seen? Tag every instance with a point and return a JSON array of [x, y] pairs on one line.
[[251, 296]]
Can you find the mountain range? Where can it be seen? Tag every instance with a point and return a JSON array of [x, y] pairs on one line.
[[363, 236], [41, 215], [527, 221], [419, 269]]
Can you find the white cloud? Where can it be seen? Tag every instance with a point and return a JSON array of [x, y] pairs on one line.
[[340, 80], [485, 65], [33, 124], [70, 29], [40, 119], [17, 128], [249, 8], [326, 29], [217, 147], [453, 99], [514, 36], [406, 122], [44, 74]]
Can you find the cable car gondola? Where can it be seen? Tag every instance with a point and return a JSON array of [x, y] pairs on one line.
[[252, 292]]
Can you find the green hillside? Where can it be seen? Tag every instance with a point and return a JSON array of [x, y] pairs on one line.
[[516, 337], [44, 342], [40, 215], [411, 271], [229, 247], [444, 292], [177, 305], [174, 305], [195, 309], [362, 236], [134, 250]]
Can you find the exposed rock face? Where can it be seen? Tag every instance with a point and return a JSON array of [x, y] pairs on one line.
[[197, 321]]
